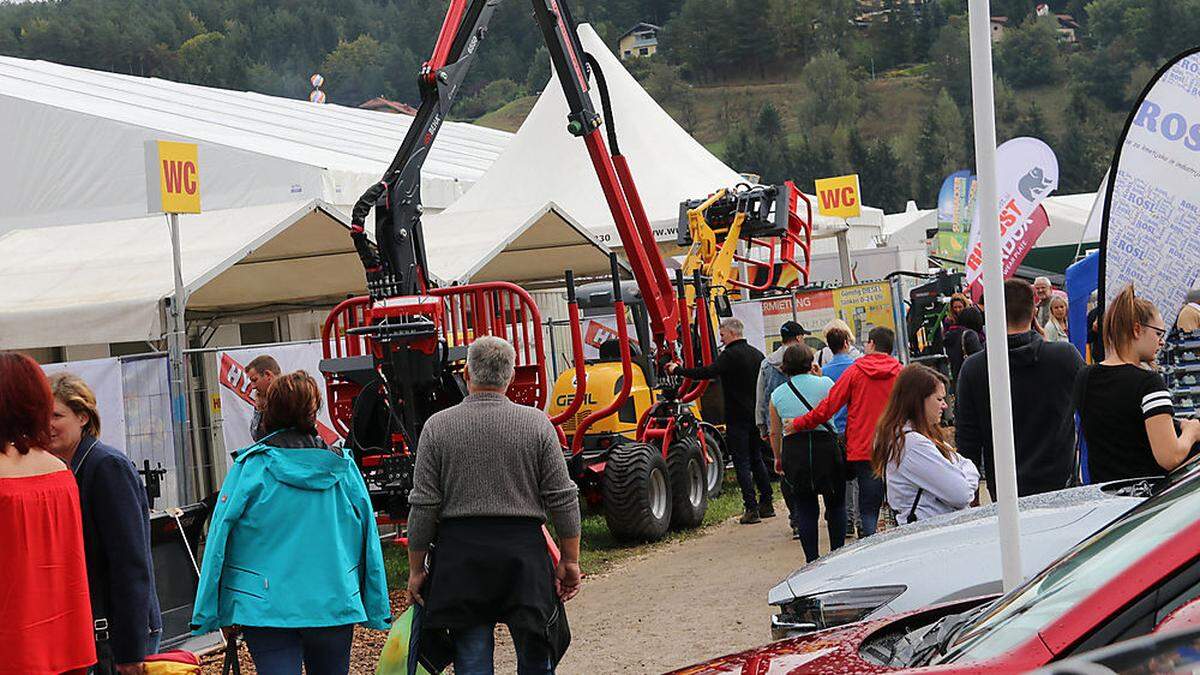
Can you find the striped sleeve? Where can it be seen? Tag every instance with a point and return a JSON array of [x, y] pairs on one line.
[[1156, 398]]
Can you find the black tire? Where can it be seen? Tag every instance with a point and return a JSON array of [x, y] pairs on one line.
[[637, 493], [714, 443], [689, 485]]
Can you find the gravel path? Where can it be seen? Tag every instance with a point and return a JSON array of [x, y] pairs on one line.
[[688, 602], [669, 608]]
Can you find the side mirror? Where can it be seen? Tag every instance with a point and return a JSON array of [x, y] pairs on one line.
[[1186, 617]]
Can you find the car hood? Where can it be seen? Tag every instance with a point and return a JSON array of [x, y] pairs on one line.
[[963, 547], [830, 651]]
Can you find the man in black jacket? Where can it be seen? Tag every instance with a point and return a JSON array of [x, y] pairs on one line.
[[738, 366], [1042, 377]]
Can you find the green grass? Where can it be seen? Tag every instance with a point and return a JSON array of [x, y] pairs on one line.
[[599, 551]]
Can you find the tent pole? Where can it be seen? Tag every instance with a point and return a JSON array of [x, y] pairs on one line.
[[993, 285], [843, 244], [176, 342]]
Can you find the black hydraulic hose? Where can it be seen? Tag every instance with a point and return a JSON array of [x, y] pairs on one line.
[[367, 252], [605, 104]]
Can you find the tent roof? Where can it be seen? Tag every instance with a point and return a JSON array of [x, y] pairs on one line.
[[73, 126], [544, 164], [1068, 216], [535, 246], [103, 282], [108, 279]]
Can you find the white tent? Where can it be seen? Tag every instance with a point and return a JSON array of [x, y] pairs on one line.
[[93, 283], [544, 164], [77, 138], [104, 282]]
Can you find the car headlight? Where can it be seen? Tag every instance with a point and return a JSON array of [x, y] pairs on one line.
[[833, 608]]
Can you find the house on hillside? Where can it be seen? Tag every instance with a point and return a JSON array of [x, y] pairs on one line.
[[639, 41], [1067, 26], [382, 104]]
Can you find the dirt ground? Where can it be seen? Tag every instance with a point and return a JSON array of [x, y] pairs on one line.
[[686, 602]]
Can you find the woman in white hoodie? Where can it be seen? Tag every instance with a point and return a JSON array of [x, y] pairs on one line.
[[925, 477]]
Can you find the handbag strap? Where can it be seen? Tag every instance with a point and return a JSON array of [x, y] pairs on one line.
[[912, 513], [803, 400]]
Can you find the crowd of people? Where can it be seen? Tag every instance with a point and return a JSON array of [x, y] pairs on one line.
[[864, 437], [293, 559]]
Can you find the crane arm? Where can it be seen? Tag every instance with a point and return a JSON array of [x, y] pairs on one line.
[[401, 258]]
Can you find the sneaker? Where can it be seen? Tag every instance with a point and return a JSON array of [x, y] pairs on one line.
[[750, 518], [766, 511], [796, 533]]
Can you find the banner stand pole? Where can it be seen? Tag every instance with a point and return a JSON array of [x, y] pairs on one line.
[[176, 342], [983, 103]]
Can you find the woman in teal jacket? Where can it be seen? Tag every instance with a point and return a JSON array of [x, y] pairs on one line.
[[293, 555]]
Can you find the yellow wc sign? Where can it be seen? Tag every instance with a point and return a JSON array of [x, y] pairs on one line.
[[172, 177], [839, 197]]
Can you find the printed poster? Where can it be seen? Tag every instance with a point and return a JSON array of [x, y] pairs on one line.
[[238, 399]]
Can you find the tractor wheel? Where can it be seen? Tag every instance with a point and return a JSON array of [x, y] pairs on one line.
[[637, 493], [714, 443], [689, 485]]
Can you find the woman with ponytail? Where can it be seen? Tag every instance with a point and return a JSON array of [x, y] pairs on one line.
[[1126, 408], [925, 476]]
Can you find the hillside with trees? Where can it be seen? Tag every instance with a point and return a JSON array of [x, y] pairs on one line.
[[782, 88]]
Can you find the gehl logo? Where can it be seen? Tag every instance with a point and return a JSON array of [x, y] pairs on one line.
[[564, 400]]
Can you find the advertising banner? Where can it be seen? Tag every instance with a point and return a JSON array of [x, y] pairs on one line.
[[955, 212], [862, 307], [1151, 231], [238, 399], [1026, 173]]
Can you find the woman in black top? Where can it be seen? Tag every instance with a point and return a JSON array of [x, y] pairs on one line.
[[1125, 405]]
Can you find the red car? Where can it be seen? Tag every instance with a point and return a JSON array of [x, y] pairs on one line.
[[1115, 585]]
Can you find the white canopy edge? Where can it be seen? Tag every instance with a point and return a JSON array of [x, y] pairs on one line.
[[104, 282], [518, 243]]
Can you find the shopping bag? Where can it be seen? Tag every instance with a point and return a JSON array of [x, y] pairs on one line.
[[175, 662], [411, 650]]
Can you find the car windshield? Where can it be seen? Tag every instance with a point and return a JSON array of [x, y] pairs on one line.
[[1020, 615]]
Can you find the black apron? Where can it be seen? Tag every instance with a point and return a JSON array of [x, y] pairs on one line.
[[495, 570]]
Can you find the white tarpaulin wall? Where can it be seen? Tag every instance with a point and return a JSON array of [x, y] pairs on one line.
[[543, 163], [134, 401], [104, 282], [73, 139]]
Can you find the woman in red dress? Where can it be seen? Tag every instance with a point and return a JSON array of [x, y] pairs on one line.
[[45, 613]]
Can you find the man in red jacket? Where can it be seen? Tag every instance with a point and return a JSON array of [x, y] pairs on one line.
[[864, 388]]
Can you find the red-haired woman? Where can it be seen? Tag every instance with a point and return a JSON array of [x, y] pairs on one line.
[[925, 476], [45, 614], [1125, 406]]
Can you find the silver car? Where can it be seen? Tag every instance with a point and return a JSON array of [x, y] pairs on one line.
[[949, 557]]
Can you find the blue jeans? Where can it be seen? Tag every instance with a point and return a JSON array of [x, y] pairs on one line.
[[870, 495], [282, 651], [474, 651], [743, 442], [835, 519]]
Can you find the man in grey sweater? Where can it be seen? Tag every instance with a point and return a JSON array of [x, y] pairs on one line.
[[487, 472]]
